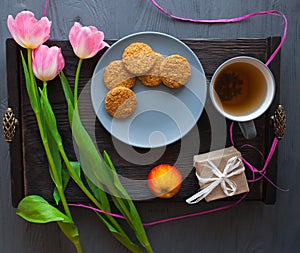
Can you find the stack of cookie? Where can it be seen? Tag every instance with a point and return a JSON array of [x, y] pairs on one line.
[[140, 61]]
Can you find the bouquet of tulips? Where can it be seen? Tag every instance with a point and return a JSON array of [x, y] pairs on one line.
[[43, 64]]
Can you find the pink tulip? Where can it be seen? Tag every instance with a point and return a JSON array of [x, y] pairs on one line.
[[86, 41], [47, 62], [27, 31]]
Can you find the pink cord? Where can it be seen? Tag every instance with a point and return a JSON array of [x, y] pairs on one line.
[[98, 210], [263, 171], [168, 219], [221, 208], [45, 8], [232, 20]]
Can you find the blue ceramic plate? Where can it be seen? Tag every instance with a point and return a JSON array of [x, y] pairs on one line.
[[163, 115]]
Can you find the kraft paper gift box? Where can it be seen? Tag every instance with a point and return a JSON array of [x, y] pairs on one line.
[[220, 159]]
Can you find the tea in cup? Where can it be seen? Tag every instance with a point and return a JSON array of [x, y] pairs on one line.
[[242, 89]]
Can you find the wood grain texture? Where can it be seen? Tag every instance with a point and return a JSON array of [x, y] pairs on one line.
[[249, 227]]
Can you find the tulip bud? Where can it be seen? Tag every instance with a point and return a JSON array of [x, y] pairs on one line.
[[86, 41], [27, 31], [47, 62]]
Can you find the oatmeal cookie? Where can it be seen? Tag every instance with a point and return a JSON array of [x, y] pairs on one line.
[[153, 76], [138, 58], [115, 75], [175, 71], [120, 102]]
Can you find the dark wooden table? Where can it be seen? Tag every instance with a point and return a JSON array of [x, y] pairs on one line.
[[251, 226]]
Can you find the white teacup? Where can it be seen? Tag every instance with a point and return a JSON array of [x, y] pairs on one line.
[[242, 89]]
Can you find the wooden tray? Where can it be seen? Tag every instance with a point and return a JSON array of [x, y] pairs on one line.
[[29, 167]]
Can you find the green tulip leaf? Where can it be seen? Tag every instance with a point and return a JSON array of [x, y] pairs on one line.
[[104, 173], [117, 182], [56, 196], [100, 174], [76, 168], [49, 116], [127, 207], [65, 181], [66, 87], [57, 162], [30, 86], [36, 209], [70, 230], [68, 95], [99, 194], [120, 235]]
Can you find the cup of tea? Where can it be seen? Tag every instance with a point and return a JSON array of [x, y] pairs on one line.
[[242, 89]]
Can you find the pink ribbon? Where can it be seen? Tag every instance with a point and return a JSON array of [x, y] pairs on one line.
[[263, 171], [45, 8], [232, 20], [180, 217]]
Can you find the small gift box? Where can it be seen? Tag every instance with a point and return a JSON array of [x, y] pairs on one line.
[[221, 174]]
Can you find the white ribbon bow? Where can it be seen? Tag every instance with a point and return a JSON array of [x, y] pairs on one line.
[[228, 186]]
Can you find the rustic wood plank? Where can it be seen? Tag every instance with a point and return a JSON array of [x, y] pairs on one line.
[[211, 53], [14, 98]]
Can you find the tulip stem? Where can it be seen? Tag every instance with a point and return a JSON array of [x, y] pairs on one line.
[[29, 51], [76, 82], [35, 103]]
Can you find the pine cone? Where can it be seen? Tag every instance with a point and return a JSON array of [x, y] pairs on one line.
[[9, 125], [279, 122]]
